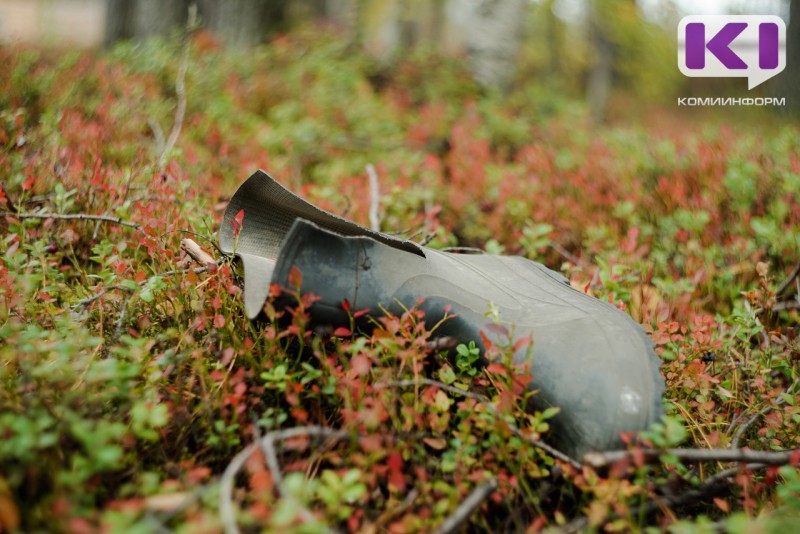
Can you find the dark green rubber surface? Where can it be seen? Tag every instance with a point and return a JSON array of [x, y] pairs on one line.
[[589, 358]]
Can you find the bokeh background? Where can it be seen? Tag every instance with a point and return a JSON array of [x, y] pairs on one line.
[[618, 56]]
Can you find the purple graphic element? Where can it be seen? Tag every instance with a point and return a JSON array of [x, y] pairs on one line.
[[719, 45], [695, 45], [768, 45], [743, 46]]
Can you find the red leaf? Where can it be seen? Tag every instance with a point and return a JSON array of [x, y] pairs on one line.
[[722, 504], [360, 364], [346, 305], [435, 443], [522, 342], [486, 341], [295, 277], [342, 332], [237, 222], [395, 464], [219, 321], [198, 474], [360, 312], [497, 329], [140, 277], [496, 368], [27, 184]]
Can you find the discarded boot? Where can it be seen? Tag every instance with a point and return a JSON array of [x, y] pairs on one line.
[[590, 359]]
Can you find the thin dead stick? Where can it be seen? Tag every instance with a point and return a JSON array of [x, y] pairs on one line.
[[194, 251], [374, 198], [180, 88], [737, 437], [267, 444], [268, 447], [708, 488], [123, 312], [467, 507], [158, 134], [428, 238], [600, 459], [567, 254], [787, 305], [555, 453], [227, 513], [786, 283], [390, 514], [88, 300], [72, 216]]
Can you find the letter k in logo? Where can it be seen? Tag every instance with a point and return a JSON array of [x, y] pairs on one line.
[[719, 45]]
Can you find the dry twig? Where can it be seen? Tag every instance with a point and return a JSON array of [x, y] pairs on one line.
[[194, 251], [267, 444], [88, 300], [72, 216], [601, 459], [786, 283], [467, 507], [711, 486], [737, 437]]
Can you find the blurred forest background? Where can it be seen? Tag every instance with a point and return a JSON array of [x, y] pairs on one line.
[[617, 55]]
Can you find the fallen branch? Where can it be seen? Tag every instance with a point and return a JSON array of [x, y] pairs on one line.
[[123, 313], [72, 216], [737, 437], [710, 487], [601, 459], [267, 444], [555, 453], [467, 507], [193, 250], [787, 305], [567, 254], [374, 198], [88, 300], [227, 512], [786, 283]]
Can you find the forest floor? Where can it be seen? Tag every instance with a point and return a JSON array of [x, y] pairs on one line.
[[135, 395]]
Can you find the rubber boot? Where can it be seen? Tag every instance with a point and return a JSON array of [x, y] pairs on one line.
[[589, 359]]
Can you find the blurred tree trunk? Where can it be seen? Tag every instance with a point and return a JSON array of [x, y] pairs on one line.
[[601, 73], [237, 23], [243, 23], [790, 78], [126, 19], [553, 40], [493, 32], [118, 21]]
